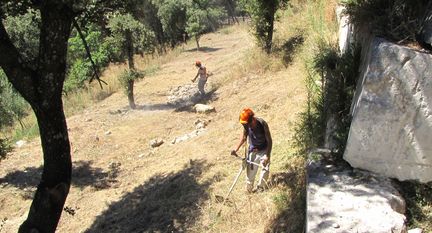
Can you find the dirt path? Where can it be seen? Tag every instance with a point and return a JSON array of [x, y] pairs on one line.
[[121, 184]]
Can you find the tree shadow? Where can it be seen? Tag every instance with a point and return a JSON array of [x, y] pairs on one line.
[[155, 107], [83, 175], [292, 216], [203, 49], [289, 47], [166, 203]]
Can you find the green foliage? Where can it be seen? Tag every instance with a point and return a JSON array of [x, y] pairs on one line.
[[263, 16], [309, 131], [418, 198], [127, 76], [172, 14], [397, 20], [4, 148], [80, 68], [337, 76], [24, 32], [12, 106], [203, 17], [143, 38]]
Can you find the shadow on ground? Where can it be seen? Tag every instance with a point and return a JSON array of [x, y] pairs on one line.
[[289, 47], [291, 203], [166, 203], [203, 49], [83, 174]]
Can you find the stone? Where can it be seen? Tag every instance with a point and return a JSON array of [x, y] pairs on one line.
[[108, 133], [20, 143], [345, 32], [391, 113], [202, 108], [352, 201], [415, 230], [200, 124], [156, 142], [184, 96]]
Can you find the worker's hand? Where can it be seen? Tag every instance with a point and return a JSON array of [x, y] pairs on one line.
[[234, 152], [265, 160]]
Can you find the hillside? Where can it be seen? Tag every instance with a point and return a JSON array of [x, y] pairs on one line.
[[121, 184]]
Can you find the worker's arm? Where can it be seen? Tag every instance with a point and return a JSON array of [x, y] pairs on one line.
[[196, 76], [242, 140]]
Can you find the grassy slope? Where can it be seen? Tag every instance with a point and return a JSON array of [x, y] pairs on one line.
[[121, 183]]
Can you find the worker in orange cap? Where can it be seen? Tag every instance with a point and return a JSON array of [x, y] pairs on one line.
[[259, 151], [202, 73]]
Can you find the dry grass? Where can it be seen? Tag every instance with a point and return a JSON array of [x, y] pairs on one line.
[[120, 184]]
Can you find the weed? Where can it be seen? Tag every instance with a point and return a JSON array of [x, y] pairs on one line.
[[418, 199]]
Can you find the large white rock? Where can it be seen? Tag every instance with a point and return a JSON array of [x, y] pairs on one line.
[[345, 31], [203, 108], [346, 201], [184, 96], [391, 126]]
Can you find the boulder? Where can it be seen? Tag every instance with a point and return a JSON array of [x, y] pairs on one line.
[[184, 96], [156, 142], [392, 113], [345, 31], [352, 201], [202, 108]]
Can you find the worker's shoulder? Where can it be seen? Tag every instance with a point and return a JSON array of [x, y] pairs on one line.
[[262, 121]]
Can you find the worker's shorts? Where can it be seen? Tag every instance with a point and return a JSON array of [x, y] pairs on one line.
[[251, 170]]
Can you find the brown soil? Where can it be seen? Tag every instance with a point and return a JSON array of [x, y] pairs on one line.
[[121, 184]]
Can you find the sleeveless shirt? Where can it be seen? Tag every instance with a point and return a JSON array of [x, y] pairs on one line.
[[257, 139]]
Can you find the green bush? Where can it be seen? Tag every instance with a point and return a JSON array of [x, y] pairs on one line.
[[129, 75], [331, 85], [397, 20], [79, 66], [4, 148], [12, 106]]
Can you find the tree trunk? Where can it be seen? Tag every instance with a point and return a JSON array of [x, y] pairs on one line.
[[131, 99], [197, 42], [269, 18], [53, 189], [41, 84], [130, 83]]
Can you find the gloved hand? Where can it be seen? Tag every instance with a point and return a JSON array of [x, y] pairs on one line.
[[234, 152], [265, 160]]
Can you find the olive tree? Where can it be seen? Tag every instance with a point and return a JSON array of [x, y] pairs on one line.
[[131, 36], [263, 17], [40, 82]]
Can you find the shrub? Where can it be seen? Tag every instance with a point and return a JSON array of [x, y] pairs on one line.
[[397, 20]]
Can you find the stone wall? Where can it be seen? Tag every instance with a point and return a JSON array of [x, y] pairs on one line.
[[391, 129]]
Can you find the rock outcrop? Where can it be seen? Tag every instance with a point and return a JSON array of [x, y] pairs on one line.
[[184, 96], [392, 113], [352, 201]]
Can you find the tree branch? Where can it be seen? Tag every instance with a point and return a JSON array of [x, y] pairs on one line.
[[95, 69], [11, 61]]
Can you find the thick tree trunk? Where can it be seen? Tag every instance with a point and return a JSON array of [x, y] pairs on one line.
[[53, 189], [269, 17], [41, 85], [131, 63]]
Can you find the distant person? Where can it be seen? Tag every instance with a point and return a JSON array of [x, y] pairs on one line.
[[202, 73], [259, 151]]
